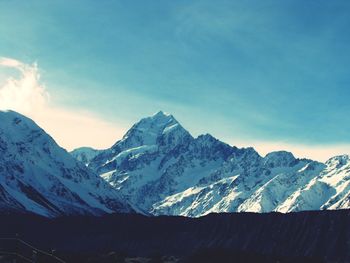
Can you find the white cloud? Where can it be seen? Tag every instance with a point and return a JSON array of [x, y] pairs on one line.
[[24, 94], [12, 63], [71, 128]]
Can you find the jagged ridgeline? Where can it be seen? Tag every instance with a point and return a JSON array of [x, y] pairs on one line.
[[38, 176], [161, 169]]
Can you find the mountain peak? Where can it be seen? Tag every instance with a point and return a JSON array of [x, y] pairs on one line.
[[38, 176], [18, 127], [338, 161], [280, 154], [160, 118], [161, 114], [207, 139], [149, 130], [156, 123], [85, 154], [279, 158], [15, 118]]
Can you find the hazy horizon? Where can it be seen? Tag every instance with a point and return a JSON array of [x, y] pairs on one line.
[[262, 74]]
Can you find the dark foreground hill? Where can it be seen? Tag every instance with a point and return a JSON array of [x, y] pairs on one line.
[[319, 236]]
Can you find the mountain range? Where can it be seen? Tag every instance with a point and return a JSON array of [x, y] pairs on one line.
[[159, 168]]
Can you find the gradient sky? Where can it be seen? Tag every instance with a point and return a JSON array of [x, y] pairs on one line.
[[271, 74]]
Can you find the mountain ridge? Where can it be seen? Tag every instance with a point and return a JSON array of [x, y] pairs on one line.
[[161, 168], [38, 176]]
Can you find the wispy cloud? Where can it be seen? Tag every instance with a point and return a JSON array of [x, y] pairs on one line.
[[24, 94], [27, 94]]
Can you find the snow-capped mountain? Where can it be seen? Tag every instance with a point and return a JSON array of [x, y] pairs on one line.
[[85, 154], [38, 176], [160, 168], [329, 190]]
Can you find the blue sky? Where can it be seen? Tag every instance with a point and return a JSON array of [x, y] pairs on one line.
[[272, 73]]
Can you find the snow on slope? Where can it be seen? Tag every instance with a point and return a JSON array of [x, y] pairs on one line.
[[247, 185], [329, 190], [38, 176], [154, 158], [160, 168], [85, 154]]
